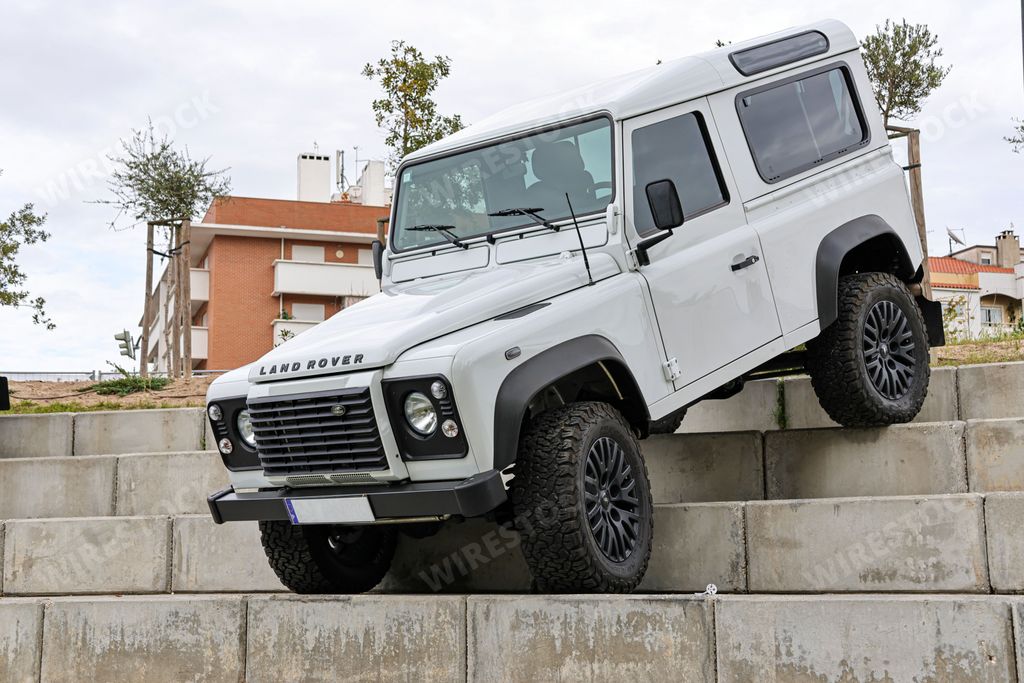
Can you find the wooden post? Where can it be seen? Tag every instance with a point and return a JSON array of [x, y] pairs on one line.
[[147, 307], [913, 136], [175, 266], [186, 297]]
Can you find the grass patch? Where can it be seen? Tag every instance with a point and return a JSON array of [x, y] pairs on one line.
[[123, 386], [33, 408]]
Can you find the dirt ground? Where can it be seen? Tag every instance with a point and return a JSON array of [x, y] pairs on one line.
[[987, 352], [77, 396]]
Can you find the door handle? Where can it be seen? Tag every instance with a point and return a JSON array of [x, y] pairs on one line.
[[746, 263]]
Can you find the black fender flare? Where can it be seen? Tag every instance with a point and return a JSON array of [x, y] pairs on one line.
[[834, 248], [524, 382]]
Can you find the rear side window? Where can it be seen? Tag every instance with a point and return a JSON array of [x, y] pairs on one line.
[[677, 149], [801, 122]]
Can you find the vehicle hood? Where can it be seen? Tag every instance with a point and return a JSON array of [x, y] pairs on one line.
[[376, 331]]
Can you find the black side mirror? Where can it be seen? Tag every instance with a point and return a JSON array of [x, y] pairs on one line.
[[377, 249], [665, 206]]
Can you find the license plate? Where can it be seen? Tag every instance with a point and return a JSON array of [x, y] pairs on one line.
[[351, 510]]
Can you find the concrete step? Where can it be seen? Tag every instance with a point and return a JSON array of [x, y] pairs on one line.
[[961, 543], [966, 392], [514, 638]]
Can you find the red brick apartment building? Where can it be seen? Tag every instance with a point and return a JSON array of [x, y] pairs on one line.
[[264, 270]]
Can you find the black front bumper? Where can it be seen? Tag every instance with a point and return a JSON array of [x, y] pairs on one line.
[[471, 497]]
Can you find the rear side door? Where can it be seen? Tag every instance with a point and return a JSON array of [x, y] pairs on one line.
[[708, 282]]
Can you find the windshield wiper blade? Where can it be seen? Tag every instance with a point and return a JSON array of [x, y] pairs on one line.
[[443, 230], [531, 212]]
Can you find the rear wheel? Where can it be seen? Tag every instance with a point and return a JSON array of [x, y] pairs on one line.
[[328, 558], [582, 501], [871, 366]]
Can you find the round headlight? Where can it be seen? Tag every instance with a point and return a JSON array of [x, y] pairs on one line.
[[244, 423], [420, 413], [214, 412]]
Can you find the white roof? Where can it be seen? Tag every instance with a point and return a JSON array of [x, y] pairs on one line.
[[640, 91]]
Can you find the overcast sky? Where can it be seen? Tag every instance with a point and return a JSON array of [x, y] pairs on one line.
[[253, 84]]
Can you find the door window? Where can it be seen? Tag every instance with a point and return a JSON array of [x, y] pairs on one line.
[[677, 149]]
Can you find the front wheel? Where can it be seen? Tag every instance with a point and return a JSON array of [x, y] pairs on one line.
[[328, 558], [583, 501], [871, 366]]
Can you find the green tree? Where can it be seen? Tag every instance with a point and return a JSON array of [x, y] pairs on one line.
[[1017, 139], [153, 181], [22, 228], [407, 110], [901, 63]]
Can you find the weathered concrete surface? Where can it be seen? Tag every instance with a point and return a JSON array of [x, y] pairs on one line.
[[754, 408], [1004, 526], [168, 483], [991, 391], [1017, 607], [139, 431], [901, 460], [995, 455], [212, 557], [57, 487], [86, 555], [590, 638], [697, 468], [804, 412], [28, 436], [20, 629], [187, 638], [475, 555], [358, 638], [920, 544], [695, 545], [830, 639]]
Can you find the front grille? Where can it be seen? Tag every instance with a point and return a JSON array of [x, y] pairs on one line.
[[300, 435]]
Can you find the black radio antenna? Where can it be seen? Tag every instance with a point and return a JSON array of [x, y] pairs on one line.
[[583, 248]]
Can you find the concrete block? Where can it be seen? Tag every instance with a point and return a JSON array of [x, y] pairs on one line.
[[893, 638], [139, 431], [20, 630], [86, 555], [753, 409], [991, 391], [804, 412], [590, 638], [1017, 607], [187, 638], [211, 557], [995, 455], [915, 544], [357, 638], [57, 487], [30, 436], [695, 545], [475, 555], [1004, 530], [698, 468], [901, 460], [168, 483]]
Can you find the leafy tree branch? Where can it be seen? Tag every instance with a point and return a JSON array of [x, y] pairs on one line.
[[22, 228]]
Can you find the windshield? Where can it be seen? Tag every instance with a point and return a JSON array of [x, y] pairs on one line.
[[458, 192]]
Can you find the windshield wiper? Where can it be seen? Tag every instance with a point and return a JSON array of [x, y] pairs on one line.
[[443, 230], [531, 212]]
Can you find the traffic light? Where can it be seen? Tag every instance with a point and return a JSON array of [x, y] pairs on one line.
[[126, 344]]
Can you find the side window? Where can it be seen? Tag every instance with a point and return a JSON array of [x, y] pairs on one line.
[[677, 149], [796, 124]]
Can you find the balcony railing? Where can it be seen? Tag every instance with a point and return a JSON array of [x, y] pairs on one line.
[[324, 279], [286, 329], [200, 284]]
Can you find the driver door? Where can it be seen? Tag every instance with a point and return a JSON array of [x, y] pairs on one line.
[[708, 281]]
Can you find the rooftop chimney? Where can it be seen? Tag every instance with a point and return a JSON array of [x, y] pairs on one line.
[[314, 172], [1007, 249]]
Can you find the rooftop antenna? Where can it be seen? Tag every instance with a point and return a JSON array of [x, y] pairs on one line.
[[953, 238], [339, 164], [316, 147], [583, 248]]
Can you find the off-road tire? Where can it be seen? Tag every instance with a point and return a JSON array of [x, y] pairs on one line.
[[548, 494], [837, 358], [304, 560]]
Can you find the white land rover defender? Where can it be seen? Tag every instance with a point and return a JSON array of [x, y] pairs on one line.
[[566, 278]]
